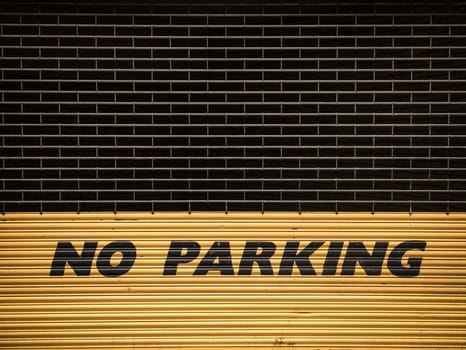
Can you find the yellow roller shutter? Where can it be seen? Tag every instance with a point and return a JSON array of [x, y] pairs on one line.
[[214, 280]]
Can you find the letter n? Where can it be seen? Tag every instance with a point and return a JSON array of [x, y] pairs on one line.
[[81, 264], [371, 263]]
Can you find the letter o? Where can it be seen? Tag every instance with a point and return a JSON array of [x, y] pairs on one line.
[[129, 256]]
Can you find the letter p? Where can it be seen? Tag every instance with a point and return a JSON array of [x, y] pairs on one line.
[[180, 252]]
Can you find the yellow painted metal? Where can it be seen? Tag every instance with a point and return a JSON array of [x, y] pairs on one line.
[[143, 309]]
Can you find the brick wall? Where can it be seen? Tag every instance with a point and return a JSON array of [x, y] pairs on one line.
[[230, 106]]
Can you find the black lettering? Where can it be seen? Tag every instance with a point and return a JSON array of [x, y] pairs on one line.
[[175, 256], [65, 252], [357, 252], [220, 251], [394, 260], [331, 261], [128, 251], [250, 256], [290, 256]]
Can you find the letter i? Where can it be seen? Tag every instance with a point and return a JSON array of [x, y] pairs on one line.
[[331, 261]]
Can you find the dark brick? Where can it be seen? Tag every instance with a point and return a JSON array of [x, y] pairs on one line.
[[272, 107]]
